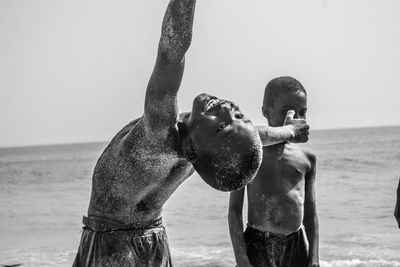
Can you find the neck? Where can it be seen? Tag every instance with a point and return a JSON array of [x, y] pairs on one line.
[[182, 115], [276, 150], [276, 146], [184, 140]]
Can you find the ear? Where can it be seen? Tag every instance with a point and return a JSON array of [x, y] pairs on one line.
[[190, 149], [265, 112]]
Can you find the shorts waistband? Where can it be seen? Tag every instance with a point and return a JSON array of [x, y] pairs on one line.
[[267, 233], [103, 224]]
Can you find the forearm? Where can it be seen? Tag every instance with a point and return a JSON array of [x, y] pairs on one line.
[[312, 231], [176, 32], [275, 135], [237, 239]]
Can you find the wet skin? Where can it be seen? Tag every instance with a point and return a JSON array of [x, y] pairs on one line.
[[276, 196], [282, 196], [136, 174], [144, 164], [138, 171], [150, 157]]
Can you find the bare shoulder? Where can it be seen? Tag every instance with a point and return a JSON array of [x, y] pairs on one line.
[[310, 155], [311, 158], [137, 136], [117, 146], [304, 151], [131, 133], [132, 151]]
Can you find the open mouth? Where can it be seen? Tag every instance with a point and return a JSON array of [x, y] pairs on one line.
[[212, 103]]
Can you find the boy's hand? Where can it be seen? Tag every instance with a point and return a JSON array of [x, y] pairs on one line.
[[299, 127]]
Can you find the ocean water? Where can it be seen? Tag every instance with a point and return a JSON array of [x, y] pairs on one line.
[[45, 190]]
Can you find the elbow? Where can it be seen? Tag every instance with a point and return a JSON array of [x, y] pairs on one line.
[[233, 226], [233, 218]]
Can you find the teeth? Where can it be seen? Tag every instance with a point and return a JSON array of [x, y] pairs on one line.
[[212, 103]]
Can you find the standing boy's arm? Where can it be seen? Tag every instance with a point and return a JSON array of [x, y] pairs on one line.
[[397, 207], [161, 108], [310, 220], [235, 219], [293, 130]]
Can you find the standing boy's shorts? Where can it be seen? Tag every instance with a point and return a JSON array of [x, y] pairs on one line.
[[266, 249], [108, 243]]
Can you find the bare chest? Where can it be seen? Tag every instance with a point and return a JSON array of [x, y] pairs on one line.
[[282, 174]]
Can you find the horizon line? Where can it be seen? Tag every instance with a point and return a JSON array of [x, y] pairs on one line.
[[105, 141]]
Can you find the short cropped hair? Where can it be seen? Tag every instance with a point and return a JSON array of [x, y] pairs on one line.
[[226, 169], [279, 86]]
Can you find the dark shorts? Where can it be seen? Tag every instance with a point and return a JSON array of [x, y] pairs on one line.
[[108, 243], [266, 249]]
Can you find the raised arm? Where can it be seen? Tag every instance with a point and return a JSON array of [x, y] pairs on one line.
[[397, 207], [310, 220], [161, 109], [294, 130], [235, 219]]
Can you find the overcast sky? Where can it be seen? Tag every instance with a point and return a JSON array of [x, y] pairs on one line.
[[76, 70]]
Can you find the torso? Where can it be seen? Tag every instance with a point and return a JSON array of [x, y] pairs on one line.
[[276, 196], [136, 174]]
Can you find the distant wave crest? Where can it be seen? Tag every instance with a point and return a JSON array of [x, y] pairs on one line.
[[360, 263]]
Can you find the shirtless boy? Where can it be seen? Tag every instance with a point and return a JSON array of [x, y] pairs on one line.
[[281, 199], [150, 157]]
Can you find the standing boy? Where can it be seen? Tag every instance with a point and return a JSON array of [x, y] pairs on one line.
[[282, 227]]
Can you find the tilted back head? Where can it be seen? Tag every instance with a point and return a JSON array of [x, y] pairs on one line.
[[227, 167], [229, 162], [221, 142]]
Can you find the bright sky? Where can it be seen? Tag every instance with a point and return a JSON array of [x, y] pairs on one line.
[[76, 70]]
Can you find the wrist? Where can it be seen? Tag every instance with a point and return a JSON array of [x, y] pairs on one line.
[[313, 258], [289, 132]]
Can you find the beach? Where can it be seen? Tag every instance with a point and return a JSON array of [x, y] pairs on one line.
[[45, 191]]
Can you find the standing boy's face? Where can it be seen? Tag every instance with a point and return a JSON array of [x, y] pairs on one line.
[[284, 102]]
